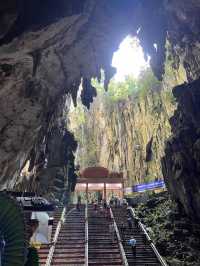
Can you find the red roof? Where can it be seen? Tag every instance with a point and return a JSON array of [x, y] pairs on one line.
[[92, 172]]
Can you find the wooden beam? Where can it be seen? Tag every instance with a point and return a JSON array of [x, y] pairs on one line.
[[100, 180]]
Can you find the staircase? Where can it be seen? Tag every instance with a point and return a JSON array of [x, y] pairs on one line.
[[144, 254], [101, 249], [70, 247]]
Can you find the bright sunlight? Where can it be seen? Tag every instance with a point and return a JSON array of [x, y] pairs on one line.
[[129, 59]]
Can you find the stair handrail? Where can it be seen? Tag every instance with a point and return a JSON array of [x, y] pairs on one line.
[[160, 258], [123, 254], [86, 234], [55, 239]]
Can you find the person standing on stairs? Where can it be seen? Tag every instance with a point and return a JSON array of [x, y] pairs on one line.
[[95, 206], [132, 243], [129, 221], [111, 230], [105, 207], [78, 205], [123, 230], [108, 212]]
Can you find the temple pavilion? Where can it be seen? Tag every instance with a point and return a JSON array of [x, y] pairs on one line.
[[100, 180]]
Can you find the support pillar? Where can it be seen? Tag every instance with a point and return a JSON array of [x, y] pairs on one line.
[[104, 191], [121, 193], [122, 189], [86, 191]]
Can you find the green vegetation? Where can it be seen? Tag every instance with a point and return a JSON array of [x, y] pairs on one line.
[[146, 82], [172, 232], [121, 91], [89, 156], [168, 97], [130, 88], [145, 93], [148, 178], [13, 231], [78, 115]]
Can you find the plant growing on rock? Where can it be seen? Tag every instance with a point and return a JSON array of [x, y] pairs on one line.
[[172, 232]]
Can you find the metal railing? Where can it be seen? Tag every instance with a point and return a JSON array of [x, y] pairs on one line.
[[86, 234], [52, 249], [161, 260], [123, 254]]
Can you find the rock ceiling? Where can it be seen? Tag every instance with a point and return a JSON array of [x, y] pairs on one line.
[[46, 49]]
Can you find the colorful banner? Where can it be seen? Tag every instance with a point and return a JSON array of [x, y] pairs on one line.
[[145, 186]]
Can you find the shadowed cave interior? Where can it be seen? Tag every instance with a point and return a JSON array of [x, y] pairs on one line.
[[63, 110]]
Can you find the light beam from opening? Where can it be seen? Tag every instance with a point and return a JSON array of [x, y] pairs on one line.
[[129, 59]]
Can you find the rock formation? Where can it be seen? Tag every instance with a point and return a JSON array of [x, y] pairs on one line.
[[43, 58], [181, 163], [47, 48], [126, 135]]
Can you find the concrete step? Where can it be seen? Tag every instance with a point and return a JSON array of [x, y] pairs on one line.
[[144, 254]]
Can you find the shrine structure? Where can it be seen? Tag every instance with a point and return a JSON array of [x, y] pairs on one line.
[[100, 179]]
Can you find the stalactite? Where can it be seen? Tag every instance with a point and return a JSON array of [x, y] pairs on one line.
[[47, 47]]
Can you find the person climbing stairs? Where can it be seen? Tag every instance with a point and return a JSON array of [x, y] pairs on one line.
[[142, 254]]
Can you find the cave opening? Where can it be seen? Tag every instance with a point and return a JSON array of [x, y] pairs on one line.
[[72, 98], [133, 85], [129, 59]]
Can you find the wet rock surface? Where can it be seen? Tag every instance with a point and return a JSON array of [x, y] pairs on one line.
[[174, 234]]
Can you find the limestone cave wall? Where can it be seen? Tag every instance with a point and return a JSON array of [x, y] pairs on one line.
[[126, 136], [45, 50], [181, 160], [43, 63]]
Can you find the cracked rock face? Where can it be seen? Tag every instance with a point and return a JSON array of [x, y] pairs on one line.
[[118, 136], [39, 67], [181, 166], [45, 60], [181, 160], [46, 49]]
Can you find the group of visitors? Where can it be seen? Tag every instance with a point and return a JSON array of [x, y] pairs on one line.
[[118, 202], [104, 208]]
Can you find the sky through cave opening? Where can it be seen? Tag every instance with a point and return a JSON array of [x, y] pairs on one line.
[[129, 59]]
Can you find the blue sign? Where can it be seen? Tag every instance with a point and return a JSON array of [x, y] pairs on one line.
[[148, 186]]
